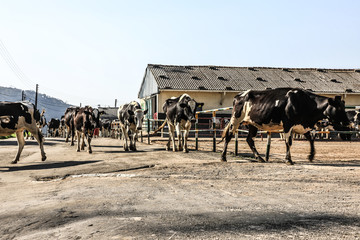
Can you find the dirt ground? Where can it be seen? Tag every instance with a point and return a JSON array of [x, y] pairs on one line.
[[155, 194]]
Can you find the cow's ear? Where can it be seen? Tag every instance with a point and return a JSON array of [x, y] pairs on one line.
[[183, 105], [145, 112], [130, 112]]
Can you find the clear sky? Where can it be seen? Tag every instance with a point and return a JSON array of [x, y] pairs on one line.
[[95, 51]]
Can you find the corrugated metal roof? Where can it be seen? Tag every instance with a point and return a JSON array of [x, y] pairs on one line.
[[220, 78]]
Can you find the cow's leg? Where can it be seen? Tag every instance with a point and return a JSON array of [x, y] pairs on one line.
[[228, 133], [78, 134], [40, 139], [73, 132], [288, 142], [179, 136], [82, 141], [312, 147], [186, 135], [250, 140], [21, 143], [134, 140], [67, 133], [172, 135], [125, 136], [131, 137], [89, 143]]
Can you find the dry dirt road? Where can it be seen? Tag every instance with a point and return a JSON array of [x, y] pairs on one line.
[[155, 194]]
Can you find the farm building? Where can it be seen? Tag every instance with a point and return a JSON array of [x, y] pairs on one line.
[[216, 86]]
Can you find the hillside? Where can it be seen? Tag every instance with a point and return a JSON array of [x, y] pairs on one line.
[[54, 107]]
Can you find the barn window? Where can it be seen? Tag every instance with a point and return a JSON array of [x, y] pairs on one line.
[[335, 81], [189, 67], [229, 88], [298, 80], [251, 69], [348, 90], [320, 70], [357, 70], [261, 79], [195, 78], [202, 88], [167, 87], [213, 68], [222, 78], [286, 70], [163, 77]]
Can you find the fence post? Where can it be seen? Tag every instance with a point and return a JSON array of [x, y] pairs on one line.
[[268, 146], [196, 131], [214, 130], [236, 142], [148, 130]]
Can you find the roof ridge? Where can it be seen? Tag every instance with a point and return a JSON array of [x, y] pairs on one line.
[[280, 68]]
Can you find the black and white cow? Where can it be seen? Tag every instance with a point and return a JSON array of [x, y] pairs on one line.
[[290, 110], [15, 117], [105, 127], [131, 118], [53, 127], [180, 111]]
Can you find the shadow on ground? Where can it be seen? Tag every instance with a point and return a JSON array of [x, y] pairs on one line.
[[45, 165]]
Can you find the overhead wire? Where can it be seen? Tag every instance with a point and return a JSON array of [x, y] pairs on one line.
[[13, 66], [22, 77]]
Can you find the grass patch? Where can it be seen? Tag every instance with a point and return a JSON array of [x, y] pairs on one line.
[[10, 136]]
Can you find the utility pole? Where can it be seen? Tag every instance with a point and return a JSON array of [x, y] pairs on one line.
[[36, 95], [80, 104], [115, 102], [22, 95]]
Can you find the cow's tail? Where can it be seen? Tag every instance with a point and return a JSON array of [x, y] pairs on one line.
[[161, 127], [225, 132]]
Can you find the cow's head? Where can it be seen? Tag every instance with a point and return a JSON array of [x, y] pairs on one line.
[[89, 122], [335, 112], [138, 117], [188, 105]]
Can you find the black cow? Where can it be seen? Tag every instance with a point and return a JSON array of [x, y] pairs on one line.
[[180, 111], [53, 127], [291, 110], [131, 118], [84, 125], [15, 117], [69, 117], [62, 127]]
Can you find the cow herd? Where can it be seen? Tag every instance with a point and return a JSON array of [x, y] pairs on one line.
[[288, 109]]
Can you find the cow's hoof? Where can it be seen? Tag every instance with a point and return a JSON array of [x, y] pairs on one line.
[[223, 159], [43, 158], [260, 159], [90, 152], [289, 162], [72, 144], [126, 149], [186, 151], [311, 158], [78, 150], [14, 162]]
